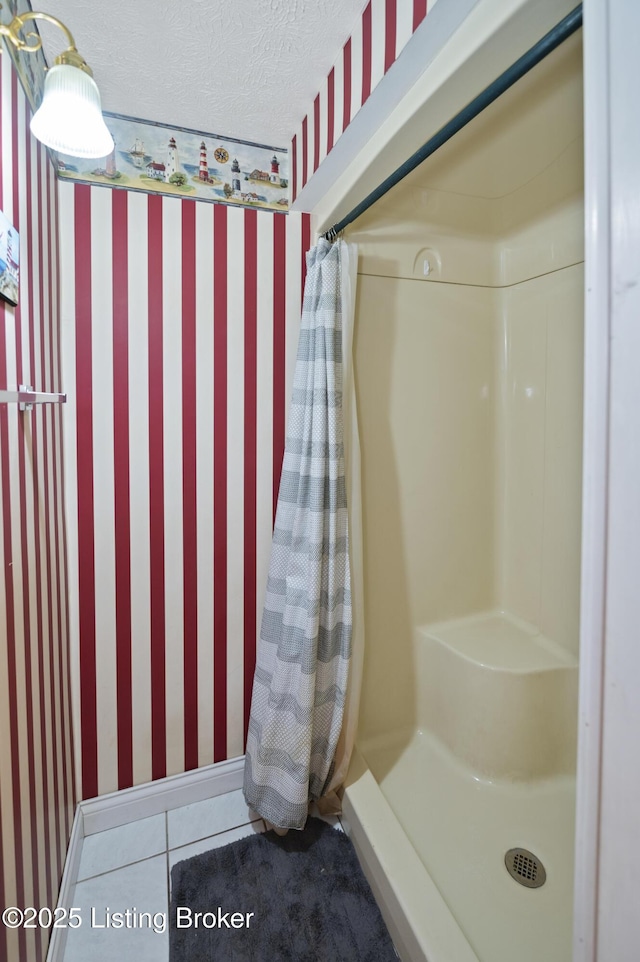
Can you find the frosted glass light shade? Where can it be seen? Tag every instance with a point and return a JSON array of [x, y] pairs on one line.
[[69, 118]]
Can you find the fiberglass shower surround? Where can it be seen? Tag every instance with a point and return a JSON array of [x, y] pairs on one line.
[[470, 388]]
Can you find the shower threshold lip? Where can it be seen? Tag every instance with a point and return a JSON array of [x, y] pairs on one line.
[[428, 881], [421, 925]]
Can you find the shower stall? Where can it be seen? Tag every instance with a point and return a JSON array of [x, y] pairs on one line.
[[468, 362]]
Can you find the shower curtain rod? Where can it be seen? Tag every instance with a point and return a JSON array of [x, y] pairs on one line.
[[511, 75]]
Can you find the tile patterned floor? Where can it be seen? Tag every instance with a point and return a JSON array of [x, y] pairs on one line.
[[128, 870]]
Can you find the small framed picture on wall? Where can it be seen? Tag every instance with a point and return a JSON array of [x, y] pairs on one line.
[[9, 260]]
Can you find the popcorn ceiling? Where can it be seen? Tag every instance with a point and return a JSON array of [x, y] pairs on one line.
[[240, 68]]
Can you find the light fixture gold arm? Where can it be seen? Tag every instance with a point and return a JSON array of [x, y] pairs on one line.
[[12, 32]]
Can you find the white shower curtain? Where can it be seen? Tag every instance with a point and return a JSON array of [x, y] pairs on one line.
[[303, 712]]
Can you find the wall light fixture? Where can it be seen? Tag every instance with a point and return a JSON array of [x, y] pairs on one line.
[[69, 119]]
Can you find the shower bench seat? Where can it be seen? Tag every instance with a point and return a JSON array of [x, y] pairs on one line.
[[499, 694]]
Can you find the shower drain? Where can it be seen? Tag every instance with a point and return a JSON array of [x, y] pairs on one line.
[[525, 868]]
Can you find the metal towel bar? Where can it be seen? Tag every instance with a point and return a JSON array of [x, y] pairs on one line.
[[25, 397]]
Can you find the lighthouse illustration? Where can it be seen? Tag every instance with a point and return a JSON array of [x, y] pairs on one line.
[[173, 164], [204, 167], [235, 175], [111, 169], [274, 176]]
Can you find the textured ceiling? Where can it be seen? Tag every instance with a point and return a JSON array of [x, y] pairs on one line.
[[241, 68]]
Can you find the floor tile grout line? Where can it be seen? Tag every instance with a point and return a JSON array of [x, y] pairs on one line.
[[206, 838], [166, 850], [201, 838], [118, 868]]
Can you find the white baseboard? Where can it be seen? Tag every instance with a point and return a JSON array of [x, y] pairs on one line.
[[57, 942], [152, 798], [119, 808]]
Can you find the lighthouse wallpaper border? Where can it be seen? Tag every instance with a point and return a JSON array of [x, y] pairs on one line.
[[163, 159]]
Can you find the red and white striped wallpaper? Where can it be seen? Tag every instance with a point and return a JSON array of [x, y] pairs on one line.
[[37, 791], [180, 325], [382, 32]]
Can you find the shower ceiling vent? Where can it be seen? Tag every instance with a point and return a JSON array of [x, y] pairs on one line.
[[525, 868]]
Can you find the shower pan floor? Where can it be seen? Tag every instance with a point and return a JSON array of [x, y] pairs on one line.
[[461, 826]]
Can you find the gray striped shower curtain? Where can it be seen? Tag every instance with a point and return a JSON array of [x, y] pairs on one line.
[[304, 650]]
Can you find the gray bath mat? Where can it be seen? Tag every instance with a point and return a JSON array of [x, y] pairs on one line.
[[300, 898]]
